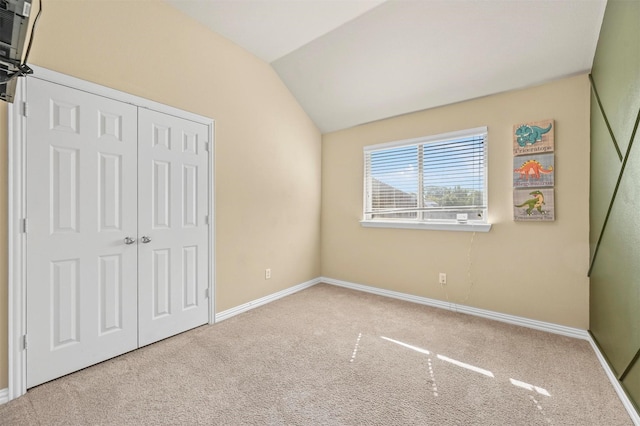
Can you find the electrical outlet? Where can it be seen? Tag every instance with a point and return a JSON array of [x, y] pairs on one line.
[[267, 273], [443, 278]]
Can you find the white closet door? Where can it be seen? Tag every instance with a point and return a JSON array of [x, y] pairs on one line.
[[172, 224], [81, 205]]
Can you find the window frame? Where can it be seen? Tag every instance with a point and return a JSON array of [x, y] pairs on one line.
[[471, 225]]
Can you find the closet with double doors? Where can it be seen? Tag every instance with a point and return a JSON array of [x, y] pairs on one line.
[[117, 227]]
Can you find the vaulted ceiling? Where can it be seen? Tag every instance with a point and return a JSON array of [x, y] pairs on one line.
[[349, 62]]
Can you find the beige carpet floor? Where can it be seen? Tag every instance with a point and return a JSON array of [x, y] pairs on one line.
[[332, 356]]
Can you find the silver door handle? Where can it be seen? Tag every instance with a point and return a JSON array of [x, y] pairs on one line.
[[129, 240], [146, 239]]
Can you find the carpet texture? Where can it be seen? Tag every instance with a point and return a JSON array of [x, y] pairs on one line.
[[332, 356]]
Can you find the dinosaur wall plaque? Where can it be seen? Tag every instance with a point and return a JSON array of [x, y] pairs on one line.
[[533, 204], [533, 138], [533, 171]]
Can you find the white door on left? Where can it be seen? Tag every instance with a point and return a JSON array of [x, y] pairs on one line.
[[81, 208]]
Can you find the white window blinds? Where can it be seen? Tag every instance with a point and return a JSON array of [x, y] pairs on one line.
[[438, 178]]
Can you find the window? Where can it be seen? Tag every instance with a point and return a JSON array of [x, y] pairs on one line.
[[434, 182]]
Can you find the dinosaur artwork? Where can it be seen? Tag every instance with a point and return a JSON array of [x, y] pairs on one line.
[[534, 205], [533, 138], [533, 170], [530, 134]]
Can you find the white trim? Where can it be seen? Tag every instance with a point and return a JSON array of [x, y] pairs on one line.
[[617, 386], [442, 137], [264, 300], [468, 227], [211, 221], [17, 366], [496, 316], [16, 264], [4, 396]]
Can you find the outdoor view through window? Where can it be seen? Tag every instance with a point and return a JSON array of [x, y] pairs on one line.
[[439, 178]]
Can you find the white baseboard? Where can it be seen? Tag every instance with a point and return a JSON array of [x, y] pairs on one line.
[[4, 396], [624, 398], [496, 316], [221, 316]]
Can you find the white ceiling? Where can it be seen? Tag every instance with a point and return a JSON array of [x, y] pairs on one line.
[[350, 62]]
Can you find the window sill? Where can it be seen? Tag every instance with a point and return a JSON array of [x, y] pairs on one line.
[[465, 227]]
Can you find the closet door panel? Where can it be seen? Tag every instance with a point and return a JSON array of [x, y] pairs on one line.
[[81, 204], [173, 207]]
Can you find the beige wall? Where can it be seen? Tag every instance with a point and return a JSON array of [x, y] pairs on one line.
[[533, 270], [267, 152]]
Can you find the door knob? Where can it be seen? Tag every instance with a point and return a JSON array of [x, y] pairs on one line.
[[129, 240], [146, 239]]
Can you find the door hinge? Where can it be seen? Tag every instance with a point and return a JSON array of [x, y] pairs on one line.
[[24, 342], [206, 219], [206, 146], [25, 109], [206, 293], [25, 225]]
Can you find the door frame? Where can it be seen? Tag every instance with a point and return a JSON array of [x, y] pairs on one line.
[[16, 232]]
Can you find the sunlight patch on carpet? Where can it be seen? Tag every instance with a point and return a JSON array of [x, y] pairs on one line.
[[355, 349], [540, 409], [467, 366], [527, 386], [415, 348], [434, 387]]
